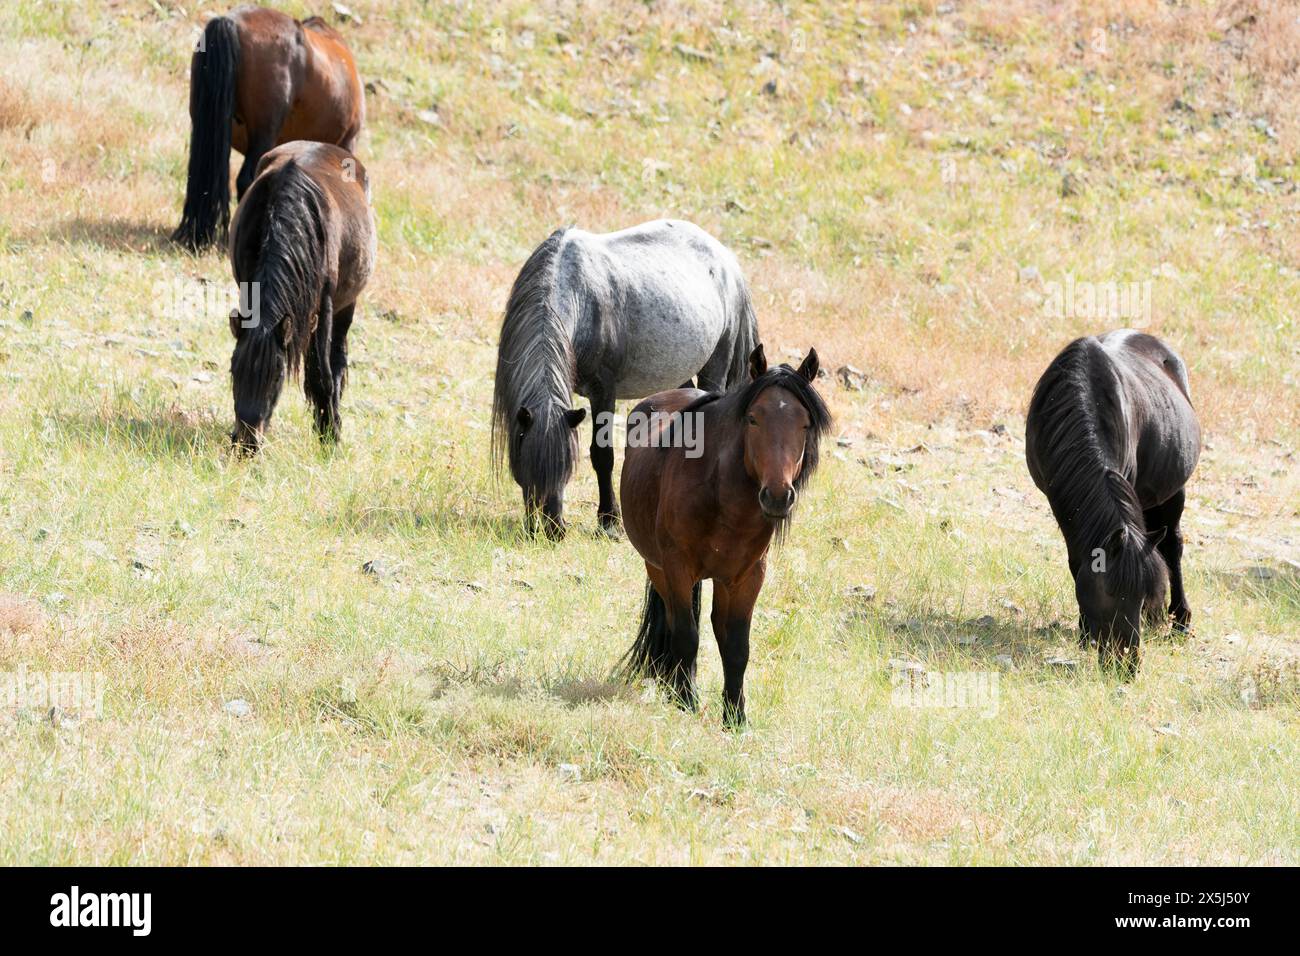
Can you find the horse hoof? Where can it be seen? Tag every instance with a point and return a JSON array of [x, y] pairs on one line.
[[610, 529], [734, 722]]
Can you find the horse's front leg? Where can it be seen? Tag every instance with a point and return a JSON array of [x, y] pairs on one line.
[[318, 376], [733, 610], [602, 457], [1085, 639]]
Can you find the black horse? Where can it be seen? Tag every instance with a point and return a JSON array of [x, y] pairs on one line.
[[1111, 440]]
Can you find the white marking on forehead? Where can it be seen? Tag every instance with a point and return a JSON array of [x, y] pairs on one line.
[[782, 405]]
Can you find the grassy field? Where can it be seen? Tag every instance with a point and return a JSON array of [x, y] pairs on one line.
[[906, 184]]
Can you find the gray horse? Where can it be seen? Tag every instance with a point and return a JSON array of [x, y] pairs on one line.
[[613, 315]]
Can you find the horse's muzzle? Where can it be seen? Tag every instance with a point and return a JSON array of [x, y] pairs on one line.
[[246, 439], [779, 505]]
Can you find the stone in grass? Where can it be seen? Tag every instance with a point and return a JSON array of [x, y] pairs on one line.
[[861, 592], [851, 835], [966, 640], [238, 707], [375, 567], [851, 377], [1062, 663], [897, 665], [346, 13], [570, 771], [1004, 660]]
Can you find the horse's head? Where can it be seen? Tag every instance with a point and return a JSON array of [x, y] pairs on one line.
[[1117, 585], [784, 419], [257, 370], [543, 447]]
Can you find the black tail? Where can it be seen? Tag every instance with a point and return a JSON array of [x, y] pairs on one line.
[[651, 654], [745, 343], [206, 216]]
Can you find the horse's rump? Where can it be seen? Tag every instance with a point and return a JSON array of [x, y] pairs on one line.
[[303, 226]]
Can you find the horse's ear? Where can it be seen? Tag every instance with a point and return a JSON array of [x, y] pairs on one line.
[[574, 416], [524, 417], [1115, 543], [757, 361], [1155, 537], [809, 366]]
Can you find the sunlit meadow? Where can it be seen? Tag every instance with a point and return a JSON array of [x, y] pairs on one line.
[[353, 656]]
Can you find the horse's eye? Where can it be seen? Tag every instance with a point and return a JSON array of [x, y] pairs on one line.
[[751, 419]]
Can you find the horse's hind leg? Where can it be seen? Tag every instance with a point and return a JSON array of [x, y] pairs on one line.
[[682, 604], [602, 457], [713, 377], [257, 147], [1169, 515], [733, 609], [260, 141], [318, 377], [339, 357]]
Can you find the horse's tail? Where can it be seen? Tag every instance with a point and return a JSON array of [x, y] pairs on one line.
[[206, 216], [746, 337], [651, 653]]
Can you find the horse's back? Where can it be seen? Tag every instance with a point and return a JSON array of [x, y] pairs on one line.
[[342, 183], [1124, 343], [1134, 388], [299, 74], [664, 292], [1158, 401], [334, 101]]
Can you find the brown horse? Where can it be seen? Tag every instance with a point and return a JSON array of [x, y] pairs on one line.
[[259, 78], [709, 509], [302, 248]]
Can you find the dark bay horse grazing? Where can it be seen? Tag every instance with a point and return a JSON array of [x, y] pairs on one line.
[[260, 78], [302, 248], [614, 315], [713, 515], [1111, 440]]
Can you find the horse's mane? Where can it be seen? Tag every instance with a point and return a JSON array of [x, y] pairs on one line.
[[1080, 422], [287, 236], [535, 367]]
